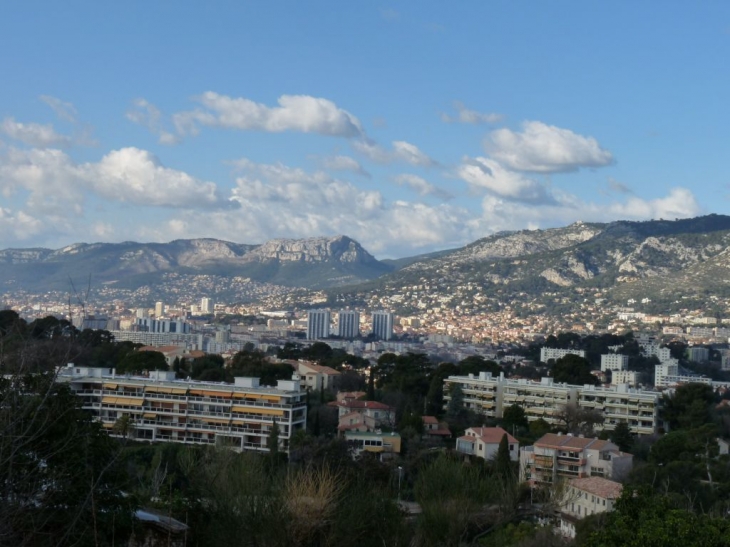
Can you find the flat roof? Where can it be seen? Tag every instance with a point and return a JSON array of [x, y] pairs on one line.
[[144, 381]]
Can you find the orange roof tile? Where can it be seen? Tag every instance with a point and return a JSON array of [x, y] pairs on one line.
[[598, 486]]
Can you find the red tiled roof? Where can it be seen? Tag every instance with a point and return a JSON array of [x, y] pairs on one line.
[[553, 440], [598, 486], [492, 435], [430, 420]]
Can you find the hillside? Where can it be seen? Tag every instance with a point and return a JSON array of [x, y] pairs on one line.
[[309, 263]]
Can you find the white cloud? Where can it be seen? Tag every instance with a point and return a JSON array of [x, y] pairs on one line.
[[401, 151], [56, 185], [281, 201], [503, 214], [148, 115], [65, 111], [487, 174], [344, 163], [422, 186], [545, 148], [34, 134], [301, 113], [18, 225], [131, 175], [466, 115]]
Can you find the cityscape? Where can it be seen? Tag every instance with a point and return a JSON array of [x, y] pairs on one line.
[[371, 275]]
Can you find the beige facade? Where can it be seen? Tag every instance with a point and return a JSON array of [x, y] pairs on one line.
[[585, 497], [159, 408], [556, 456]]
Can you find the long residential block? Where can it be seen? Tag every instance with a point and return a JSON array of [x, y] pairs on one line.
[[546, 399], [160, 408]]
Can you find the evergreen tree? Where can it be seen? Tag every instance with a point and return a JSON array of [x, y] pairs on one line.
[[621, 436], [435, 396], [273, 441], [456, 403], [503, 463], [371, 385]]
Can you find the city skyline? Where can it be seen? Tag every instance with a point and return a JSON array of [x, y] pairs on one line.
[[407, 128]]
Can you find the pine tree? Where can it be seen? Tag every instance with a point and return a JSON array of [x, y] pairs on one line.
[[503, 463], [273, 441], [621, 437], [371, 385], [435, 396], [456, 403]]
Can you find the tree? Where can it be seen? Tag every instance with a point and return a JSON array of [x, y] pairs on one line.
[[573, 369], [456, 404], [689, 407], [141, 361], [435, 396], [272, 443], [514, 417], [621, 436], [60, 472], [503, 462], [642, 518], [371, 385]]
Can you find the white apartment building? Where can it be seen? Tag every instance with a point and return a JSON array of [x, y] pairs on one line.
[[614, 361], [584, 497], [667, 375], [160, 408], [628, 377], [318, 324], [348, 324], [554, 455], [383, 324], [546, 399], [206, 305], [554, 353]]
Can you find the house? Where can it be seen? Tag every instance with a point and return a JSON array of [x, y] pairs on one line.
[[435, 430], [483, 442], [555, 455], [385, 445], [346, 396], [380, 414], [316, 377], [584, 497]]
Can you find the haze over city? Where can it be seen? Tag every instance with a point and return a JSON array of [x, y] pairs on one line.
[[409, 127]]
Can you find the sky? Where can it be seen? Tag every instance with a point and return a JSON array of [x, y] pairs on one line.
[[408, 126]]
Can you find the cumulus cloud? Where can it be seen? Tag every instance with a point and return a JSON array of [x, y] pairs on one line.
[[422, 186], [487, 174], [148, 115], [18, 225], [301, 113], [136, 176], [55, 184], [466, 115], [344, 163], [65, 111], [543, 148], [34, 134], [401, 151]]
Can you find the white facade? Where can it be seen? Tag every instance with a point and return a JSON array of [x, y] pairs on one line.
[[553, 353], [162, 325], [483, 442], [348, 324], [383, 324], [546, 399], [584, 497], [206, 305], [318, 324], [628, 377], [614, 361]]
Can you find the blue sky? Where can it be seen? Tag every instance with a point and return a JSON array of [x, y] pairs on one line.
[[409, 126]]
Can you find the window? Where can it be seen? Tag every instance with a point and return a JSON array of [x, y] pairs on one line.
[[511, 447]]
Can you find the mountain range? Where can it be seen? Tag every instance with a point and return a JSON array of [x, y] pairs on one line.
[[661, 260]]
